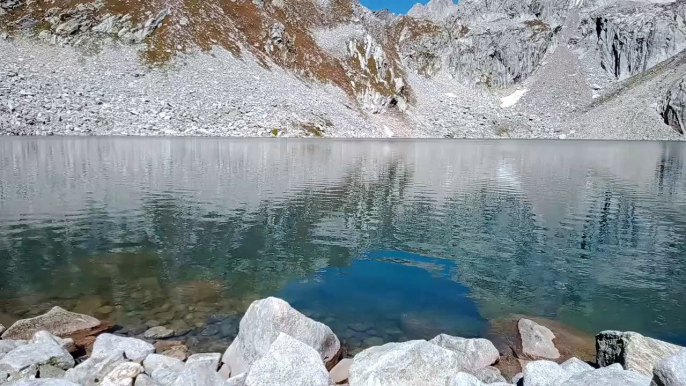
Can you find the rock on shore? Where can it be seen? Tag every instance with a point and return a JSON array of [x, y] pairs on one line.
[[279, 346], [57, 321]]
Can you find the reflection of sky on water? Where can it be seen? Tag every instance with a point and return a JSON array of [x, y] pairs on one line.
[[388, 287], [590, 233]]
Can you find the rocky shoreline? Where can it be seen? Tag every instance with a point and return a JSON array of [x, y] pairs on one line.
[[277, 345]]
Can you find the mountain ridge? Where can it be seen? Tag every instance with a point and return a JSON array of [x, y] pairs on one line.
[[440, 71]]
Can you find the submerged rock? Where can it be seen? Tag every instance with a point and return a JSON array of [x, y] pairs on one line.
[[288, 362], [670, 371], [413, 363], [472, 354], [159, 332], [57, 321], [261, 325], [632, 350], [537, 340]]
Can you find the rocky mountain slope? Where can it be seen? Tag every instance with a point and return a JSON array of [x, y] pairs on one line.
[[478, 69]]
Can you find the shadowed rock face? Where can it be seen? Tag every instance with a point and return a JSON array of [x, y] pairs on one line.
[[674, 107], [632, 39]]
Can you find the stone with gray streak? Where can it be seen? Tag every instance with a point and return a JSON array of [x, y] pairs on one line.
[[387, 365], [264, 321], [472, 354], [489, 374], [632, 350], [288, 362], [537, 340], [670, 371]]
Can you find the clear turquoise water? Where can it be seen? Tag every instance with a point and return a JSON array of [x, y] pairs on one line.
[[397, 239]]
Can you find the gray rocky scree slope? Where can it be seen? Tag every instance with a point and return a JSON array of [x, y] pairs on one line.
[[162, 68]]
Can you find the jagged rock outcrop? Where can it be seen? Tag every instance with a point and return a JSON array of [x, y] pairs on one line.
[[434, 10], [632, 350], [632, 38], [673, 107]]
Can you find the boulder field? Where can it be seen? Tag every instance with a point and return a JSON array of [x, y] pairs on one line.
[[277, 345]]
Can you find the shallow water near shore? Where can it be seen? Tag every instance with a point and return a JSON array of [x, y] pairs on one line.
[[381, 240]]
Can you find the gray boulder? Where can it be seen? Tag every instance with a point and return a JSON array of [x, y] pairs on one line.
[[261, 325], [155, 361], [91, 371], [537, 340], [122, 375], [133, 349], [413, 363], [199, 374], [45, 382], [632, 350], [489, 374], [670, 371], [607, 377], [288, 362], [472, 354], [164, 376], [50, 371], [463, 379], [57, 321], [37, 354], [144, 380], [544, 373], [9, 345], [46, 337], [211, 360], [575, 366], [10, 375], [238, 380]]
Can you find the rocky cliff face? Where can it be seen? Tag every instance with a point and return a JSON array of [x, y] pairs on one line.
[[375, 66], [673, 107], [632, 38]]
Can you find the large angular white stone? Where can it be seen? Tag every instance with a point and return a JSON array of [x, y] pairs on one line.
[[632, 350], [537, 340], [91, 371], [575, 366], [211, 360], [670, 371], [413, 363], [607, 377], [155, 361], [262, 324], [122, 375], [544, 373], [288, 362], [199, 374], [38, 354], [133, 349], [472, 354], [57, 321]]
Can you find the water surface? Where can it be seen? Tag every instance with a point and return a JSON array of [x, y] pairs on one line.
[[382, 240]]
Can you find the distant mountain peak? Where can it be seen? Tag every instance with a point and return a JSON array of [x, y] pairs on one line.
[[434, 10]]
